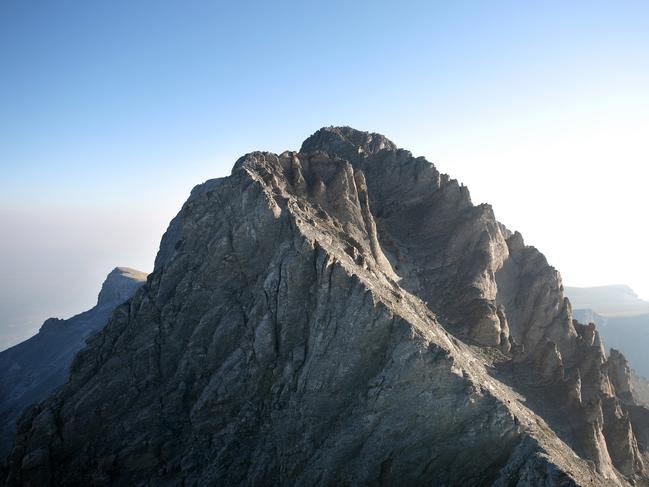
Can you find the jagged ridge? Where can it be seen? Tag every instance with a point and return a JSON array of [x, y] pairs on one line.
[[343, 314]]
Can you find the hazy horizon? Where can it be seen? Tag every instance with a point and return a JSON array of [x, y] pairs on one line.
[[111, 114]]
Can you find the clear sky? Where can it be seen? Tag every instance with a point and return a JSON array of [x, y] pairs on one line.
[[111, 111]]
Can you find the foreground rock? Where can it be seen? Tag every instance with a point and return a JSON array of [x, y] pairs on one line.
[[342, 315], [31, 370]]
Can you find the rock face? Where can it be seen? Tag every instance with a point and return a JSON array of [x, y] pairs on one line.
[[31, 370], [640, 389], [623, 322], [341, 315]]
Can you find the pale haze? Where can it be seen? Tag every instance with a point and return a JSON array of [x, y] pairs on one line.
[[109, 117]]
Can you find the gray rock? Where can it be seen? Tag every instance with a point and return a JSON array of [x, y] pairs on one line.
[[342, 315], [621, 318], [31, 370]]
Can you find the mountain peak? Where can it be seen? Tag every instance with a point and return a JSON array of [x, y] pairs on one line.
[[119, 284], [333, 297], [346, 141]]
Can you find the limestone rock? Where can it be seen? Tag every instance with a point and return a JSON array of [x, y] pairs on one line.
[[341, 315], [31, 370], [620, 375]]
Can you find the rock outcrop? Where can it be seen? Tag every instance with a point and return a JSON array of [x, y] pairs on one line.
[[621, 318], [620, 375], [31, 370], [341, 315]]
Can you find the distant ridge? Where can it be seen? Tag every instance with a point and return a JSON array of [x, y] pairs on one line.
[[613, 300], [31, 370]]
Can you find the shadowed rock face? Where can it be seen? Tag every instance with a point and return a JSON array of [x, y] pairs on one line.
[[339, 315], [31, 370]]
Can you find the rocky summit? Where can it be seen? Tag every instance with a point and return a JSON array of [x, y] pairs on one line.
[[341, 315]]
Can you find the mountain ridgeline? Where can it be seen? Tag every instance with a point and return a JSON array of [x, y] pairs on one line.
[[341, 315], [623, 321], [31, 370]]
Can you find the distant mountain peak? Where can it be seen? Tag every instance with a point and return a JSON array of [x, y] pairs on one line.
[[119, 285], [615, 288], [610, 300], [130, 273]]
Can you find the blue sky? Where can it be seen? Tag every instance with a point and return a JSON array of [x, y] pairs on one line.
[[111, 111]]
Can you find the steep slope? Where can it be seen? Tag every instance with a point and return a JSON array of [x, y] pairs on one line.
[[640, 389], [629, 334], [338, 315], [621, 318], [31, 370]]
